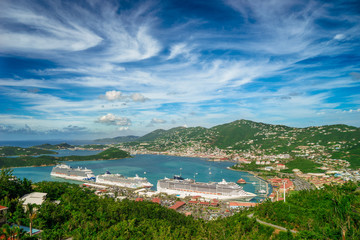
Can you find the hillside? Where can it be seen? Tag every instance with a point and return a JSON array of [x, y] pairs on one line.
[[339, 141], [19, 151], [120, 139], [54, 147], [44, 160]]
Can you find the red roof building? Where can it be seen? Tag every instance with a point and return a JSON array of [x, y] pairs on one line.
[[139, 199], [2, 208], [242, 204], [177, 205], [156, 200], [279, 182], [3, 211]]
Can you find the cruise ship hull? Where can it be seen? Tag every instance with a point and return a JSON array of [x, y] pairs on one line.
[[121, 181], [61, 175], [182, 193], [67, 172], [212, 190]]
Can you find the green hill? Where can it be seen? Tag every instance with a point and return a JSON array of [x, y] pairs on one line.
[[340, 141], [44, 160], [54, 146], [120, 139], [19, 151]]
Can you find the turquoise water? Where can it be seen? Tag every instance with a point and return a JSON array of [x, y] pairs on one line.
[[154, 167]]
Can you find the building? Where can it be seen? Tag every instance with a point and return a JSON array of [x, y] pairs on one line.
[[33, 198], [177, 205], [279, 184], [156, 200], [3, 211], [234, 205], [280, 166]]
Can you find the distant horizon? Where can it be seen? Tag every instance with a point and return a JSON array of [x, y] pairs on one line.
[[89, 140], [97, 69]]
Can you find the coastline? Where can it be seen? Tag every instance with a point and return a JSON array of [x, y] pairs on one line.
[[256, 176], [49, 165]]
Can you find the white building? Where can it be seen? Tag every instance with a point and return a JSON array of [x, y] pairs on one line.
[[34, 198]]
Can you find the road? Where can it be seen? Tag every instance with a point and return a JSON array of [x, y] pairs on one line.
[[270, 224]]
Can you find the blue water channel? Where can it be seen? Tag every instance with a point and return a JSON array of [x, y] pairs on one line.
[[154, 167]]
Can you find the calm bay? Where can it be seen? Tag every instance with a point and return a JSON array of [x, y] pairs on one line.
[[154, 167]]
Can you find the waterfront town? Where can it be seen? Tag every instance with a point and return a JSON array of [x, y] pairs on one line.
[[269, 168]]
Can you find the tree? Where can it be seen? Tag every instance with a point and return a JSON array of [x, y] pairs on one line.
[[32, 214]]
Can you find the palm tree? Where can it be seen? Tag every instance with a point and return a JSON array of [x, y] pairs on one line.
[[32, 215]]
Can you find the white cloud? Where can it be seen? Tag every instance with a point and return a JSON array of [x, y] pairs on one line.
[[111, 119], [28, 83], [339, 36], [113, 95], [123, 128], [158, 121], [178, 49], [50, 33], [138, 97]]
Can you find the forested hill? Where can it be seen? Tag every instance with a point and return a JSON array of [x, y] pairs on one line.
[[245, 134], [44, 160], [120, 139], [337, 141]]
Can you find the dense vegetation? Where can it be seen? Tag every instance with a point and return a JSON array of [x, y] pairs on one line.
[[19, 151], [329, 213], [11, 187], [111, 153], [342, 141], [54, 146], [304, 165], [120, 139], [83, 215]]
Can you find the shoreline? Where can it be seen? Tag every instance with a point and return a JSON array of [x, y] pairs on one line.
[[49, 165], [256, 176]]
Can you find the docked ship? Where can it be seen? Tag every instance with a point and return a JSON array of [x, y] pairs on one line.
[[67, 172], [188, 187], [122, 181]]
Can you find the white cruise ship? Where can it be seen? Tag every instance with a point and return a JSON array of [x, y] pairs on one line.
[[67, 172], [122, 181], [188, 187]]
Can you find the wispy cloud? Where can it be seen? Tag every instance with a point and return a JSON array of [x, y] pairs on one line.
[[272, 61]]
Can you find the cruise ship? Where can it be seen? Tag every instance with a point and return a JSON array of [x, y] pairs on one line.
[[122, 181], [67, 172], [188, 187]]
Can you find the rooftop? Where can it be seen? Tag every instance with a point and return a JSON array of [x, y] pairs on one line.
[[34, 198], [177, 205]]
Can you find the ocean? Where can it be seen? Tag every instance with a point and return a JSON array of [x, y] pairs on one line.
[[154, 167]]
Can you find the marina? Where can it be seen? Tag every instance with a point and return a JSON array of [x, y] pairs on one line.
[[153, 167]]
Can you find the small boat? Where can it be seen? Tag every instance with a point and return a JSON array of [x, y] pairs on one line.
[[241, 181]]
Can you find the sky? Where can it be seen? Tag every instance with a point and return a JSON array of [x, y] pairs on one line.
[[101, 68]]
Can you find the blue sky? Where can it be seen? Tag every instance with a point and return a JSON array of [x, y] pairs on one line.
[[93, 69]]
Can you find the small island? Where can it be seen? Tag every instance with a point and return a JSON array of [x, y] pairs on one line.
[[6, 151], [45, 160]]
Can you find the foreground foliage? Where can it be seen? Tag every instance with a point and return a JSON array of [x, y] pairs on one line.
[[329, 213]]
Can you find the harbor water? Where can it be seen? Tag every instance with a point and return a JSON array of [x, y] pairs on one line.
[[153, 167]]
